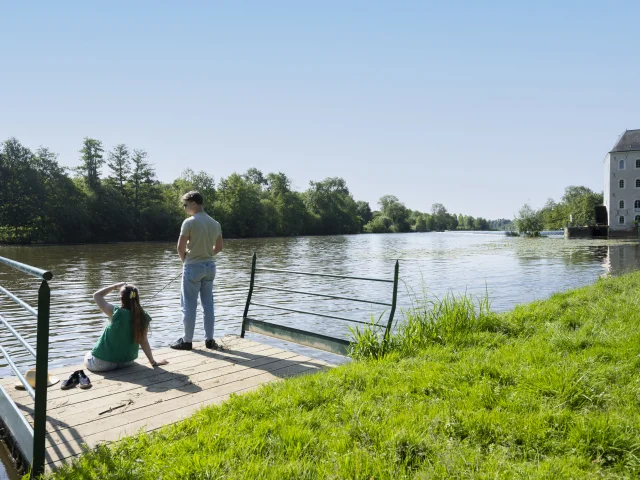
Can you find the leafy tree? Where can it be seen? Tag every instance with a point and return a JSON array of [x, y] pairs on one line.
[[332, 202], [19, 192], [501, 224], [379, 224], [200, 181], [364, 212], [392, 208], [581, 204], [431, 223], [439, 214], [289, 211], [63, 205], [528, 221], [255, 176], [239, 207], [482, 224]]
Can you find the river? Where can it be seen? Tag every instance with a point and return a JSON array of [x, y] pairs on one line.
[[512, 270]]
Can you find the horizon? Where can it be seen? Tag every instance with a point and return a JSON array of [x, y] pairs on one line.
[[482, 108]]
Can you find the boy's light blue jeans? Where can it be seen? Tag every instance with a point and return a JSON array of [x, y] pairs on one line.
[[197, 278]]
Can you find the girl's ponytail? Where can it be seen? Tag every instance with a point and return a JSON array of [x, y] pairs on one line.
[[138, 315]]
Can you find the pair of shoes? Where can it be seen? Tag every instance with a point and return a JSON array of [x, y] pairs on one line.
[[180, 344], [211, 343], [77, 378]]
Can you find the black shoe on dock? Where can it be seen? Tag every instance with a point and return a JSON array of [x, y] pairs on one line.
[[70, 382], [211, 343], [83, 380], [180, 344]]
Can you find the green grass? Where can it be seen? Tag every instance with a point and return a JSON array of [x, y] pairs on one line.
[[549, 390]]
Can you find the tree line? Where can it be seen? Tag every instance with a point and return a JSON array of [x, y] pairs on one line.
[[576, 208], [42, 201]]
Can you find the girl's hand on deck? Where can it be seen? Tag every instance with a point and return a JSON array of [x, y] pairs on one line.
[[162, 362]]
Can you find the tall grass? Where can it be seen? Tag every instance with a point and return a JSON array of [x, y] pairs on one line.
[[454, 319]]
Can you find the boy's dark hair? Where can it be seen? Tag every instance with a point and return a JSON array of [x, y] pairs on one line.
[[193, 196]]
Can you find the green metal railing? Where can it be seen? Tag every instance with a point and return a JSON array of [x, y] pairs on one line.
[[303, 337], [30, 441]]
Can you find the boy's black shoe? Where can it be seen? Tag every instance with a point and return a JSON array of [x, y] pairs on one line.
[[70, 382], [211, 343], [83, 380], [180, 344]]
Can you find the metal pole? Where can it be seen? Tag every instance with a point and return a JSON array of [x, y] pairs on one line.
[[393, 302], [42, 361], [246, 308]]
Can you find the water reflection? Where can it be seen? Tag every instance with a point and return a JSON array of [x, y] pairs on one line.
[[621, 259], [513, 270]]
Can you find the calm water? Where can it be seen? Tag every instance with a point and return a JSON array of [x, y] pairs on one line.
[[513, 270]]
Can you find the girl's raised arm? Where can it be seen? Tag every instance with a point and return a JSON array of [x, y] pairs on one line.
[[103, 305]]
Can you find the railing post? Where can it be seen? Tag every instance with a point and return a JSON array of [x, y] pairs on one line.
[[393, 302], [246, 308], [42, 363]]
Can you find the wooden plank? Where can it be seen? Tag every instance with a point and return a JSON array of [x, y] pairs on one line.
[[158, 376], [131, 374], [230, 343], [166, 415], [74, 415], [156, 405]]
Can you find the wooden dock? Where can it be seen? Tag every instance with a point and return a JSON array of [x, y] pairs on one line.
[[125, 401]]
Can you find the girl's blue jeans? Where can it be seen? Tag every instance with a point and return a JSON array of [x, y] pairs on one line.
[[197, 279]]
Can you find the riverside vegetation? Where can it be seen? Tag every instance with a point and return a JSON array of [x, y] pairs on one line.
[[40, 201], [547, 390]]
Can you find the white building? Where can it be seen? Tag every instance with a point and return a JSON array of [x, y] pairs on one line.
[[622, 182]]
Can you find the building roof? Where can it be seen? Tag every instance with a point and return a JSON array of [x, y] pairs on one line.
[[628, 141]]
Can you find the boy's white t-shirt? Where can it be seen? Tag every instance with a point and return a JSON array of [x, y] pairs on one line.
[[202, 232]]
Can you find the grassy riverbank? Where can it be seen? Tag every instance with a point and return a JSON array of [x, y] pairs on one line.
[[549, 390]]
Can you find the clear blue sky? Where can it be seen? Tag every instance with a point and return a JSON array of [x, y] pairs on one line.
[[481, 106]]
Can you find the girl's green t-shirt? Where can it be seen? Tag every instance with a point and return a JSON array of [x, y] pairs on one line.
[[116, 343]]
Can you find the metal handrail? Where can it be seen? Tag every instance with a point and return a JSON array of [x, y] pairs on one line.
[[324, 295], [323, 275], [30, 440], [24, 343], [308, 338], [23, 304], [313, 313], [23, 380], [23, 267]]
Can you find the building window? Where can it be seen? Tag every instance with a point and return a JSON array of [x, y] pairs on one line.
[[637, 182], [637, 218], [621, 165], [636, 204], [622, 203], [621, 220], [638, 163], [621, 183]]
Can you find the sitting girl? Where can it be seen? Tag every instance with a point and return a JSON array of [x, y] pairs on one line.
[[127, 329]]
